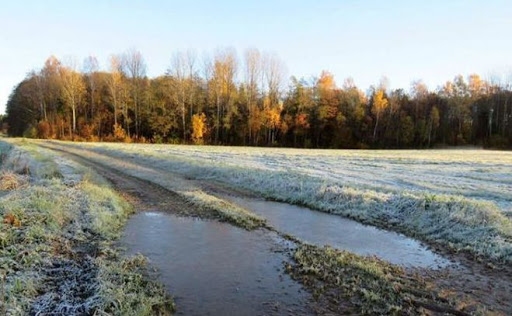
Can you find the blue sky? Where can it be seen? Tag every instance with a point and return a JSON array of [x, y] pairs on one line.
[[403, 40]]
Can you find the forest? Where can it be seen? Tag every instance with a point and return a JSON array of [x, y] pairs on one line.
[[226, 100]]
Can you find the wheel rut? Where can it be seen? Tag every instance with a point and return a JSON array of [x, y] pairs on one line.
[[208, 266]]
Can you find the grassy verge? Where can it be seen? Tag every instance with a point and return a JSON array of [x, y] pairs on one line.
[[57, 244], [352, 284], [205, 205]]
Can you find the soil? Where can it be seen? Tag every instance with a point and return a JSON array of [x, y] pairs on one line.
[[475, 286]]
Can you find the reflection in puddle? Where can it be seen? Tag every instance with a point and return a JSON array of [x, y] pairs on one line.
[[326, 229], [153, 214], [214, 268]]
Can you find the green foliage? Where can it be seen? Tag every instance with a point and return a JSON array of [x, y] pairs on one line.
[[30, 132]]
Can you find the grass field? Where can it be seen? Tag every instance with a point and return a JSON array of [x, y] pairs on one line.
[[461, 199], [457, 199]]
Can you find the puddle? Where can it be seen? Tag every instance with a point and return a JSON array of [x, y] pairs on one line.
[[326, 229], [214, 268]]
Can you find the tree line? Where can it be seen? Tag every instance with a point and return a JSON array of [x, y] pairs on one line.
[[222, 100]]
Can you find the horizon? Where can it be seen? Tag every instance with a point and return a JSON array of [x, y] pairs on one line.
[[432, 42]]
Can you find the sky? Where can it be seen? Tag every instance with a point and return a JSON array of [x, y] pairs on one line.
[[366, 40]]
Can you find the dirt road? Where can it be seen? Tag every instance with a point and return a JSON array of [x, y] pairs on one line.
[[258, 286], [475, 286]]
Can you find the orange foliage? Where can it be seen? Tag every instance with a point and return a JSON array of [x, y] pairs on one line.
[[199, 127], [120, 134], [301, 121], [43, 130], [326, 81], [87, 131], [11, 219]]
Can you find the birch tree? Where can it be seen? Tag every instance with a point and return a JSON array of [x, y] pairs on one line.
[[73, 89], [380, 103], [114, 83], [135, 69]]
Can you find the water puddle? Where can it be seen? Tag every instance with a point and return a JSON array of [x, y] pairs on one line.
[[326, 229], [214, 268]]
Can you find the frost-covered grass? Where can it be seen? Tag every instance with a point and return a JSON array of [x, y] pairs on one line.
[[458, 198], [56, 243], [5, 148], [223, 209], [356, 285], [205, 205]]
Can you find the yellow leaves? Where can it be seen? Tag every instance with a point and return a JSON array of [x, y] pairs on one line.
[[326, 81], [254, 120], [380, 103], [274, 117], [271, 114], [199, 128], [476, 85]]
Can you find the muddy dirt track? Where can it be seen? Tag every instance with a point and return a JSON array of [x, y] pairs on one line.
[[472, 283], [259, 285]]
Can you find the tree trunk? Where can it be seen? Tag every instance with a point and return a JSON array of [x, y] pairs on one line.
[[73, 109], [375, 128]]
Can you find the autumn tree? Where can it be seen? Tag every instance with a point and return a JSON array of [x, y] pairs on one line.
[[433, 123], [256, 108], [199, 128], [329, 116], [380, 103], [222, 89], [162, 115], [273, 73], [253, 70], [115, 82], [297, 108], [182, 70], [73, 89], [49, 88], [135, 69], [90, 68]]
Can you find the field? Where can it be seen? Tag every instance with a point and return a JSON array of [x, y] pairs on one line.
[[458, 202], [461, 199]]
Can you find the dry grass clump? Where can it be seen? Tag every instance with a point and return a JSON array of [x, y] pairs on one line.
[[11, 181], [12, 220]]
